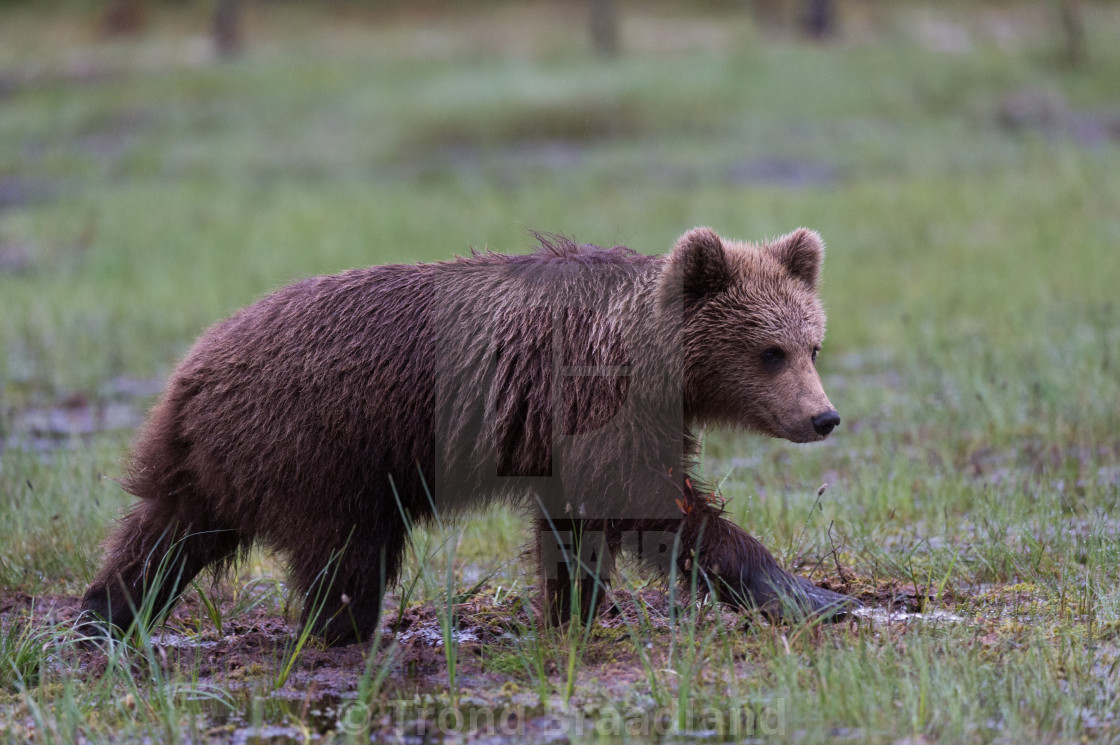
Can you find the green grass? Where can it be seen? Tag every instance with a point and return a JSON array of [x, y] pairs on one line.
[[973, 347]]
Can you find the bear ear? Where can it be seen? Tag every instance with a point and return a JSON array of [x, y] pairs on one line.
[[697, 268], [801, 253]]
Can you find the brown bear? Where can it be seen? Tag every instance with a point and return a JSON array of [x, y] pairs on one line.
[[329, 417]]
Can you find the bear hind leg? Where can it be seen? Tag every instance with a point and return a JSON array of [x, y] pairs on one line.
[[152, 556], [343, 588]]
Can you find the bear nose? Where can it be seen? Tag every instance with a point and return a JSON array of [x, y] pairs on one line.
[[826, 422]]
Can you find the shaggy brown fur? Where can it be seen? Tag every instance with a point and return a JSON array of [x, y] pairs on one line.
[[324, 419]]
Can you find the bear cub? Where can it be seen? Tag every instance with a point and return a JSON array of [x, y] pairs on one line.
[[330, 416]]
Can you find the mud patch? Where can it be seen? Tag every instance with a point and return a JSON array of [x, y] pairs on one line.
[[889, 597], [235, 686], [73, 422], [76, 417], [120, 406]]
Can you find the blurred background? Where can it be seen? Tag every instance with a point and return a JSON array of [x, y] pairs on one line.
[[165, 162]]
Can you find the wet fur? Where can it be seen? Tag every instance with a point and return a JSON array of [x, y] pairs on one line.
[[323, 418]]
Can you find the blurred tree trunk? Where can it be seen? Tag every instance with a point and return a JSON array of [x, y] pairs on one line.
[[1073, 27], [604, 27], [227, 27], [819, 19]]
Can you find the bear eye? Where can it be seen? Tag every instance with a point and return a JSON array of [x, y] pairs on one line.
[[816, 351], [773, 356]]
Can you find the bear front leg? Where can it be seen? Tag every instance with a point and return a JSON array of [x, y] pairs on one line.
[[741, 571]]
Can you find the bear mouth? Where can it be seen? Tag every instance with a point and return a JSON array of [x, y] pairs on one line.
[[801, 435], [804, 437]]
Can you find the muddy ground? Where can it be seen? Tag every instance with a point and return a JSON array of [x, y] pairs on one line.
[[247, 654]]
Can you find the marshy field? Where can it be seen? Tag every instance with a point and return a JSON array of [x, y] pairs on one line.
[[964, 174]]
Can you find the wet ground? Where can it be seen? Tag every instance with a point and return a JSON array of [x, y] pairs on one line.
[[243, 661], [120, 405]]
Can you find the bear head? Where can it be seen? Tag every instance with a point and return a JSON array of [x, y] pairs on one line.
[[753, 325]]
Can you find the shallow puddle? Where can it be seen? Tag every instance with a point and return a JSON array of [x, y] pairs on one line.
[[179, 641], [433, 637], [884, 616], [272, 718]]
